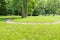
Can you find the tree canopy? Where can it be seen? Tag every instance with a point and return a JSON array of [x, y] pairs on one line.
[[26, 8]]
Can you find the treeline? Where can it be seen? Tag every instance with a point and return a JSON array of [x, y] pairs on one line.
[[29, 7]]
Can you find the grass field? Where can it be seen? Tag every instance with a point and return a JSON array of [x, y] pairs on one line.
[[31, 19], [38, 19], [29, 31]]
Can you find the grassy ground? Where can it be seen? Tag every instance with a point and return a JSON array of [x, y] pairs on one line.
[[29, 32], [38, 19], [31, 19]]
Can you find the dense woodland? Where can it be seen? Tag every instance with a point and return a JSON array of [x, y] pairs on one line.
[[26, 8]]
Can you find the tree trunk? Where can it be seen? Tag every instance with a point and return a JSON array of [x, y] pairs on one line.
[[24, 8]]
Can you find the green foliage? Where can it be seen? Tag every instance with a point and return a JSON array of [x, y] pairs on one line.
[[42, 7], [36, 13]]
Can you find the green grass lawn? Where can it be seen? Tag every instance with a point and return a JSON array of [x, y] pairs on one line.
[[38, 19], [31, 19], [30, 31]]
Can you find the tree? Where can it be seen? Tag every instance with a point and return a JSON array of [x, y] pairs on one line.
[[24, 8], [3, 7], [33, 5]]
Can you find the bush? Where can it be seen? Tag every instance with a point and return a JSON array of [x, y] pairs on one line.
[[35, 13]]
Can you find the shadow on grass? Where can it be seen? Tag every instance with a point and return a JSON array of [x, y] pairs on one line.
[[5, 19]]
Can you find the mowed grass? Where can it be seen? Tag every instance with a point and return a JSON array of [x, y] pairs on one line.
[[31, 18], [4, 18], [38, 19], [29, 32]]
